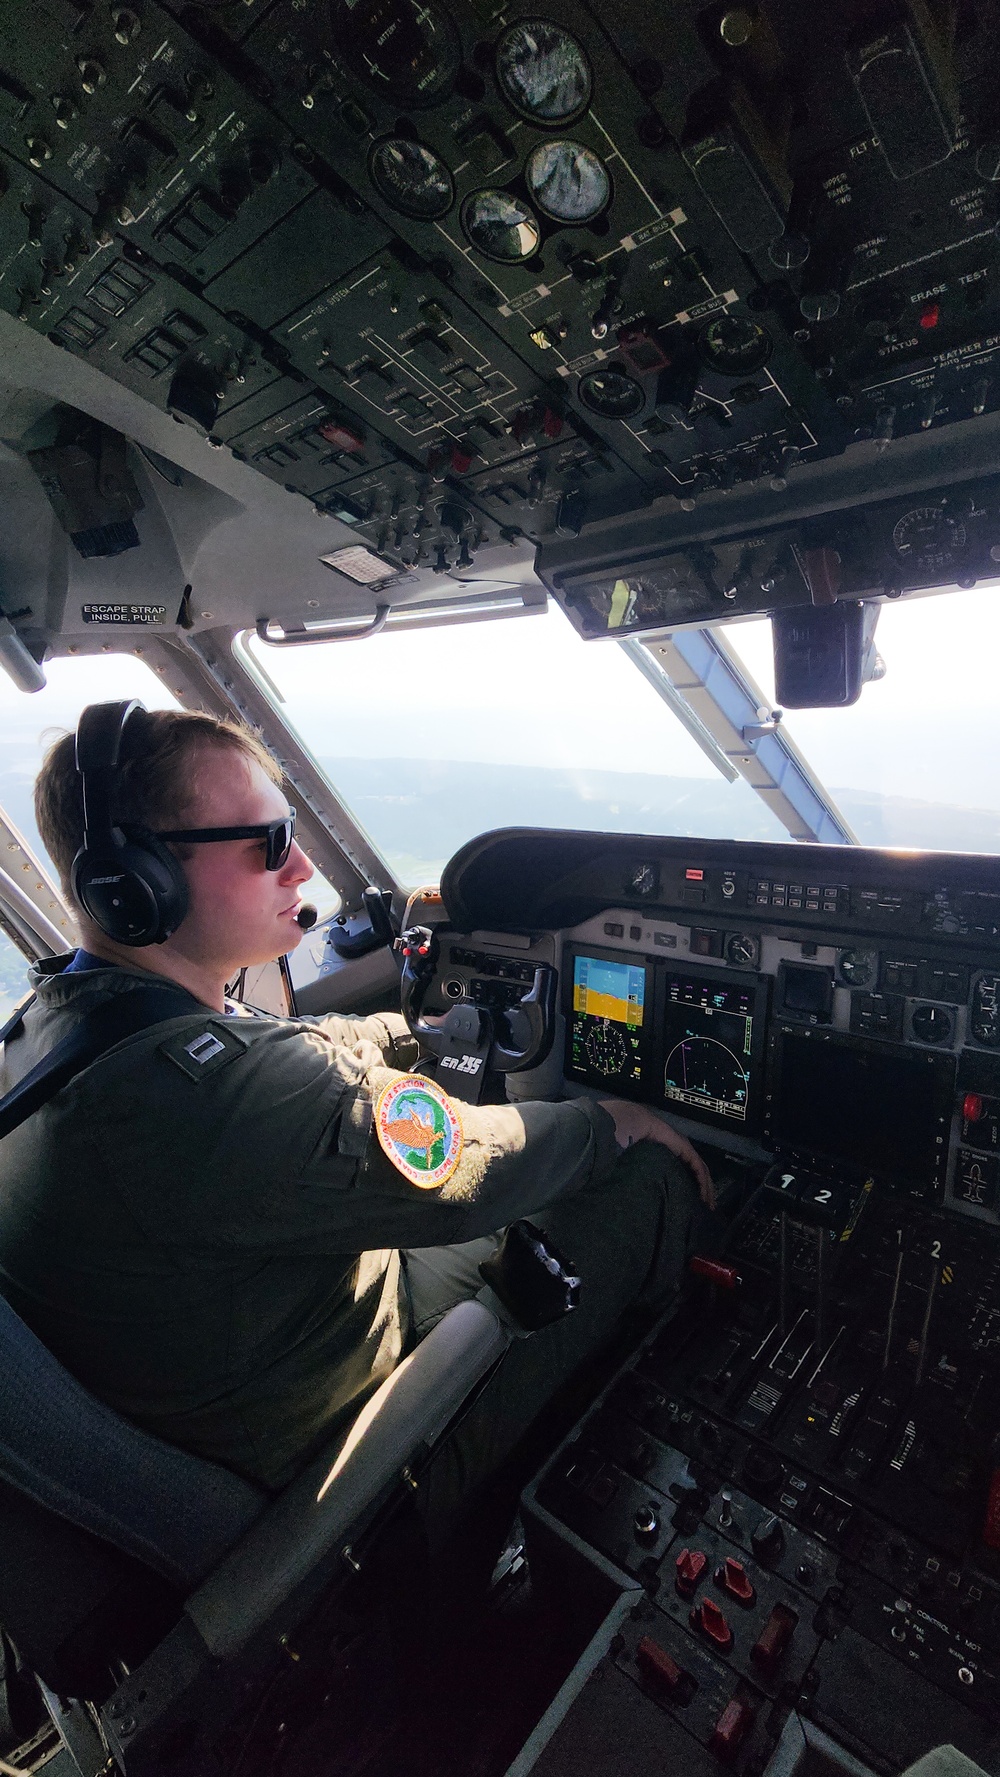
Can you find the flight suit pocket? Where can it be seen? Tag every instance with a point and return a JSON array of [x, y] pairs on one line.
[[355, 1125]]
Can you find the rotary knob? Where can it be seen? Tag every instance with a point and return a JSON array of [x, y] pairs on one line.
[[767, 1539], [646, 1523]]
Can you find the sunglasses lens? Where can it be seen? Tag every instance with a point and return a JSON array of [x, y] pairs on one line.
[[281, 836]]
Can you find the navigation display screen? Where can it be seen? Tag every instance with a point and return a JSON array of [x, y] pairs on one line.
[[608, 1019], [711, 1031], [881, 1110]]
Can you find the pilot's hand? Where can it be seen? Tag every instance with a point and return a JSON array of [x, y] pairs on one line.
[[634, 1122]]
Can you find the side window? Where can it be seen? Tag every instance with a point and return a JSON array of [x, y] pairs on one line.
[[13, 976]]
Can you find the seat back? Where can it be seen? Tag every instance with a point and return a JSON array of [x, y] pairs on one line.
[[70, 1454]]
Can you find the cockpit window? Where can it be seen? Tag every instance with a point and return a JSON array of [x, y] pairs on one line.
[[914, 762], [432, 736]]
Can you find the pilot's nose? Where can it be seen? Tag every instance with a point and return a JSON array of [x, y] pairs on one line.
[[296, 867]]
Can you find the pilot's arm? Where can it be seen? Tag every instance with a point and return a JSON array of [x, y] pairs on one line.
[[389, 1032]]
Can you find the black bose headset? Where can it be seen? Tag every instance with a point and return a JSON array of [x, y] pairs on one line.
[[124, 877]]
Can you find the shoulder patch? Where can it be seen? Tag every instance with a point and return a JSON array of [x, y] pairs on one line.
[[207, 1051], [419, 1129]]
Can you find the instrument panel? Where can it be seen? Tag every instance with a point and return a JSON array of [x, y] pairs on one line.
[[723, 986]]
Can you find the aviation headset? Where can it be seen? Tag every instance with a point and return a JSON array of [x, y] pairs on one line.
[[125, 878]]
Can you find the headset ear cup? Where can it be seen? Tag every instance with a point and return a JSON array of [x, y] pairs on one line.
[[136, 893]]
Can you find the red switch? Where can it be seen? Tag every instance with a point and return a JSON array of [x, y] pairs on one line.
[[691, 1564], [930, 315], [341, 436], [767, 1650], [552, 423], [656, 1665], [461, 459], [731, 1729], [708, 1618], [972, 1107], [732, 1577], [726, 1276]]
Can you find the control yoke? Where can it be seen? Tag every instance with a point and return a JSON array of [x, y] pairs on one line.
[[466, 1042]]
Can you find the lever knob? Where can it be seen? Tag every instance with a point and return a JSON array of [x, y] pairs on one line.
[[767, 1539], [709, 1621], [690, 1564], [732, 1578]]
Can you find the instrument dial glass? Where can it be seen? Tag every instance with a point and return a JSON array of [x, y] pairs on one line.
[[543, 72], [408, 49], [568, 182], [611, 393], [502, 226], [412, 178]]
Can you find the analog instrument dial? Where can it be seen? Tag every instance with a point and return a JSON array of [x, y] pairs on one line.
[[412, 178], [928, 537], [407, 49], [568, 182], [734, 345], [741, 950], [543, 72], [932, 1024], [611, 393], [856, 968], [501, 226]]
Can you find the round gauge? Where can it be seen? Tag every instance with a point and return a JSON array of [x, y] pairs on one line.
[[611, 393], [734, 345], [928, 536], [741, 950], [501, 226], [702, 1071], [411, 178], [543, 72], [642, 879], [567, 181], [606, 1048], [985, 1024], [856, 967], [932, 1024], [408, 49]]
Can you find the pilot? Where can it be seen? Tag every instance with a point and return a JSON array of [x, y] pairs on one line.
[[232, 1226]]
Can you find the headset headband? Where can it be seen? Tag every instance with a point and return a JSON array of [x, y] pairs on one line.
[[98, 749]]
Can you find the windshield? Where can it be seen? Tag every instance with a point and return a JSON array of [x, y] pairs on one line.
[[915, 761], [435, 735]]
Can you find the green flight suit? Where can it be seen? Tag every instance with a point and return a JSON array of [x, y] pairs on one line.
[[212, 1247]]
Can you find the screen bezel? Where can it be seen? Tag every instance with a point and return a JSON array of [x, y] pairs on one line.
[[759, 987], [941, 1074], [629, 959]]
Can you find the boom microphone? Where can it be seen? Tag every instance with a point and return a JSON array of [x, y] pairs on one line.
[[306, 916]]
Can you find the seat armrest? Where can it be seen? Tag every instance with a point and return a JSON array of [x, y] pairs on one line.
[[324, 1504]]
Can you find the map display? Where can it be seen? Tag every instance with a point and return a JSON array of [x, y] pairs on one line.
[[708, 1041]]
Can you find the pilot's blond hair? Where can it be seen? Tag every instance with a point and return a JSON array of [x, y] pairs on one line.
[[160, 752]]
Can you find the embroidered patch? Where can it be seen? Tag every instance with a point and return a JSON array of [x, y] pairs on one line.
[[419, 1129], [206, 1051]]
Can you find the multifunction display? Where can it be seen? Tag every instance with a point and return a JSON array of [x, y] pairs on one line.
[[711, 1044], [609, 1019]]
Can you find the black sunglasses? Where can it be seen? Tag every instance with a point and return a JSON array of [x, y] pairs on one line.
[[279, 836]]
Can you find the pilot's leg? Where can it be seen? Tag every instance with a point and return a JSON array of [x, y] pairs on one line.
[[627, 1238]]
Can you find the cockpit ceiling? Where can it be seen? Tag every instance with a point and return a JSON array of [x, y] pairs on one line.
[[668, 296]]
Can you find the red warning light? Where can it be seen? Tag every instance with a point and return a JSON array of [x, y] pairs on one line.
[[930, 315]]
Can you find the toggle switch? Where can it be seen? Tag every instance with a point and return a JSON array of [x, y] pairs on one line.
[[660, 1670], [731, 1729], [733, 1579], [708, 1619], [690, 1564], [768, 1650]]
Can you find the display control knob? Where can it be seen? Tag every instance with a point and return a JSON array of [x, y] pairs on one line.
[[767, 1539], [646, 1523], [709, 1621], [690, 1564], [733, 1579]]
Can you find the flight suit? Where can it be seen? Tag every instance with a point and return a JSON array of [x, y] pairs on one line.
[[203, 1228]]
